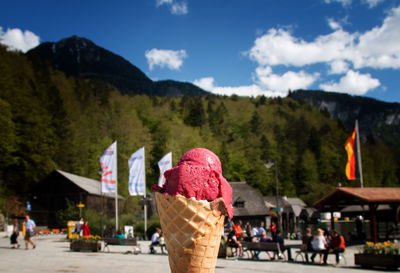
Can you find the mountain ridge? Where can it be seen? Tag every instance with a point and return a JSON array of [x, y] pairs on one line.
[[77, 56], [377, 119]]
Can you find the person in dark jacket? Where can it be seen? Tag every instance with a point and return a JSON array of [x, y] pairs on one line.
[[306, 243], [278, 238]]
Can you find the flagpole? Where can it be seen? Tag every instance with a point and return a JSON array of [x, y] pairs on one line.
[[359, 156], [116, 188], [145, 201], [102, 213]]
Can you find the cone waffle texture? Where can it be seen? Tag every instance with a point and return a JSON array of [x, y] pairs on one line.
[[192, 233]]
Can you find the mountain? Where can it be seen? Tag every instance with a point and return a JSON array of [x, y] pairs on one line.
[[77, 56], [378, 120]]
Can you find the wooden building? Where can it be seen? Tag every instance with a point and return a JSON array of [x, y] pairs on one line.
[[248, 204], [51, 195], [371, 198], [289, 210]]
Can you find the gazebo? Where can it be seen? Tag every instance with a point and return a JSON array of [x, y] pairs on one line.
[[371, 197]]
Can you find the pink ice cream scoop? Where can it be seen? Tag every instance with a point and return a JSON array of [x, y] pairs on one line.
[[199, 175]]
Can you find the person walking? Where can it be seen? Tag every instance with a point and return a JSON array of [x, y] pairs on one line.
[[29, 232], [78, 227], [15, 234]]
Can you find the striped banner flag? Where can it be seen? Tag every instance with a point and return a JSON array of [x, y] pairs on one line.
[[164, 164], [108, 164], [137, 173]]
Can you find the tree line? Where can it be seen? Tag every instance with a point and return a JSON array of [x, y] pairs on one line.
[[51, 121]]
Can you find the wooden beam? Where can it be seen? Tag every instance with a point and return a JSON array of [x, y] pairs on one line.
[[373, 228]]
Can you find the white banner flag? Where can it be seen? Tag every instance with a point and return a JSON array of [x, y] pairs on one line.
[[108, 164], [164, 164], [137, 173]]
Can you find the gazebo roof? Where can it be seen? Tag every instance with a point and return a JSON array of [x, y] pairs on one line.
[[346, 196], [373, 197]]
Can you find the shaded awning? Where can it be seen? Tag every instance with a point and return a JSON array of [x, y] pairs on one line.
[[345, 196], [370, 197]]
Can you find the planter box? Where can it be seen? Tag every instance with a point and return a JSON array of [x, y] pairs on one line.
[[85, 246], [372, 260]]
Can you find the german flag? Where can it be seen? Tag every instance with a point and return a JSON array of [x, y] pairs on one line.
[[350, 147]]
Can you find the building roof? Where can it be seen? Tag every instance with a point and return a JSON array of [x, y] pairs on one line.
[[297, 210], [252, 200], [309, 212], [345, 196], [91, 186], [271, 200], [295, 201]]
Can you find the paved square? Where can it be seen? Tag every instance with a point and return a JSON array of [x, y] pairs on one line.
[[53, 255]]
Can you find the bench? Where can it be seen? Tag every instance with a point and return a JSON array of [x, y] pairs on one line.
[[251, 247], [300, 255], [118, 241]]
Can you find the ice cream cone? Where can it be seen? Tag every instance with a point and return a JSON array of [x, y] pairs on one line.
[[192, 233]]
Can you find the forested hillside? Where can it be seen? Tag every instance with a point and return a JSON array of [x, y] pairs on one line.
[[51, 121]]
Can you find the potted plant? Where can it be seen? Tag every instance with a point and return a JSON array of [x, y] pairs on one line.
[[86, 243], [384, 254]]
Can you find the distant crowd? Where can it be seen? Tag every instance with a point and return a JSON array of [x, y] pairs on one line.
[[321, 242]]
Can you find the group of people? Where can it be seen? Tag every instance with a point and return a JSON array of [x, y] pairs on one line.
[[323, 243], [82, 228], [29, 233], [255, 234]]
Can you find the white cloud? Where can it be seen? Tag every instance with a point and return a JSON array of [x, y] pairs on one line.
[[289, 80], [172, 59], [333, 24], [372, 3], [178, 8], [380, 47], [15, 39], [338, 67], [377, 48], [250, 90], [279, 47], [343, 52], [353, 82], [162, 2], [347, 3]]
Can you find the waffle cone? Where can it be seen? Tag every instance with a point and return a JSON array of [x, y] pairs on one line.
[[192, 233]]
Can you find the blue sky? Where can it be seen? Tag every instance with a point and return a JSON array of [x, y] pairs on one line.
[[248, 48]]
